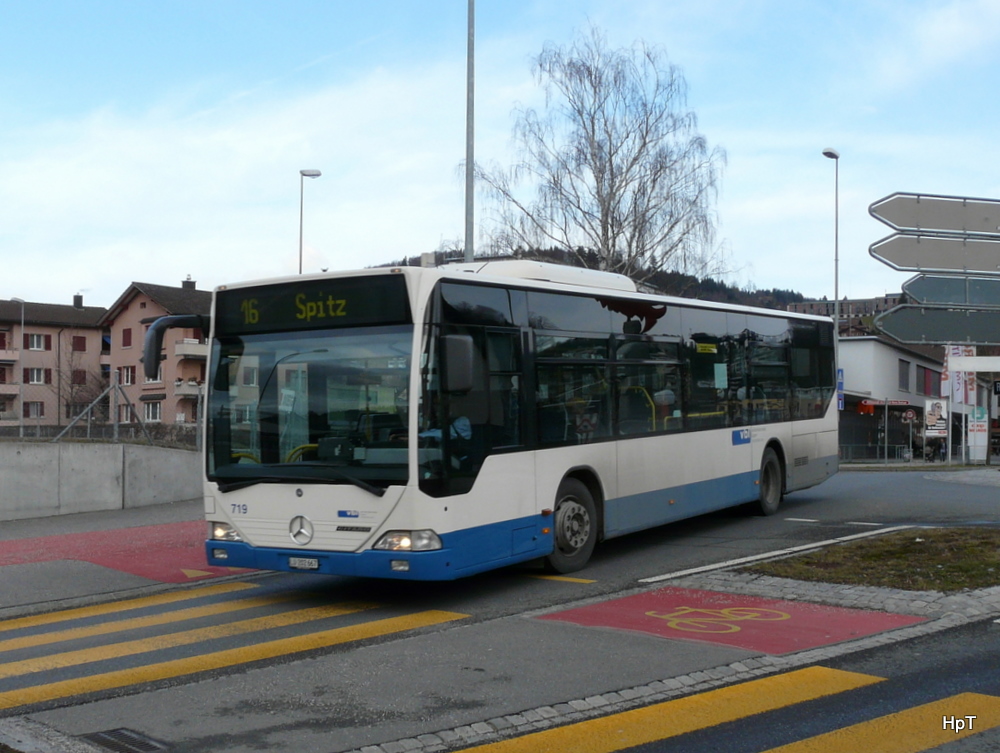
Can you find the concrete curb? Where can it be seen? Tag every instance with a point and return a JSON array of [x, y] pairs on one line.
[[24, 735]]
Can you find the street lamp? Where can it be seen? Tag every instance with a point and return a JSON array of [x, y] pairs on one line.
[[833, 154], [303, 174], [20, 382]]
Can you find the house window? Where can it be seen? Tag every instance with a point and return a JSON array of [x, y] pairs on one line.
[[152, 411], [79, 344], [34, 410], [127, 337], [147, 380], [38, 376], [126, 375], [79, 376], [38, 342], [904, 375], [928, 382], [249, 376]]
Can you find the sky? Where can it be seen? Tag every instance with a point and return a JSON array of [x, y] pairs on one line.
[[161, 141]]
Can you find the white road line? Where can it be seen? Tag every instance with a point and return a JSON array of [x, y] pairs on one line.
[[802, 520], [769, 555], [860, 523]]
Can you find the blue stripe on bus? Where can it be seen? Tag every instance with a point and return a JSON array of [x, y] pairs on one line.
[[476, 550], [465, 552], [637, 512]]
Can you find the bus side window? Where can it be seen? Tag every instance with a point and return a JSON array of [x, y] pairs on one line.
[[572, 403], [649, 398]]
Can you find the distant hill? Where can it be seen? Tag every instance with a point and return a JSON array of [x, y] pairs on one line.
[[668, 283]]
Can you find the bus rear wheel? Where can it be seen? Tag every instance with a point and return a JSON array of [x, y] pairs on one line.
[[770, 484], [574, 526]]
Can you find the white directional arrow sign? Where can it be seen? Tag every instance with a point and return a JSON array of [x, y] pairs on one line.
[[953, 215], [939, 253]]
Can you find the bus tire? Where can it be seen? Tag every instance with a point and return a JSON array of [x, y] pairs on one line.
[[771, 485], [574, 524]]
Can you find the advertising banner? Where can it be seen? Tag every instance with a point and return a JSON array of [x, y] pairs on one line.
[[936, 415]]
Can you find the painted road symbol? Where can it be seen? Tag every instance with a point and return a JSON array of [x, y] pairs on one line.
[[770, 626], [727, 620]]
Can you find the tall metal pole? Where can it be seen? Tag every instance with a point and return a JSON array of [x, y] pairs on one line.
[[470, 134], [302, 183], [835, 156], [20, 382], [303, 174]]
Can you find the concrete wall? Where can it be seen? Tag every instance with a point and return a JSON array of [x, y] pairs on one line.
[[38, 480]]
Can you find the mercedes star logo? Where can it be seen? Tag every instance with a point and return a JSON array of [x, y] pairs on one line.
[[301, 530]]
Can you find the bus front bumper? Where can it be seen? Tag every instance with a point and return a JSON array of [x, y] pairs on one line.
[[440, 564]]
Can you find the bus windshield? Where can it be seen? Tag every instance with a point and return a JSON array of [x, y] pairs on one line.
[[320, 406]]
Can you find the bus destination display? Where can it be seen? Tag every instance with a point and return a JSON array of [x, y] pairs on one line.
[[313, 304]]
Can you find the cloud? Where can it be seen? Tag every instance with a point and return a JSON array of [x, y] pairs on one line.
[[929, 45], [114, 197]]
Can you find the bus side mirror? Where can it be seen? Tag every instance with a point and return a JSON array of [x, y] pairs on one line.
[[153, 343], [457, 355]]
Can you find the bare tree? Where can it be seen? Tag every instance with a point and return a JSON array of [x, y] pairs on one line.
[[614, 165]]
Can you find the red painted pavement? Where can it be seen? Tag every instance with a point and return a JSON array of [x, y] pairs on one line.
[[770, 626], [159, 552]]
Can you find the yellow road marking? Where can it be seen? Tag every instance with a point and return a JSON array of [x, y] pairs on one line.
[[222, 659], [172, 640], [133, 623], [683, 715], [195, 573], [563, 578], [909, 731], [122, 606]]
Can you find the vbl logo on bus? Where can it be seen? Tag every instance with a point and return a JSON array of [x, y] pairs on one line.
[[741, 436]]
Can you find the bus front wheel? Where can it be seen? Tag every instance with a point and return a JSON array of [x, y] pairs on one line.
[[770, 483], [574, 526]]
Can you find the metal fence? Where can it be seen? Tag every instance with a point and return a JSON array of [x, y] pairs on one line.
[[854, 453], [184, 436]]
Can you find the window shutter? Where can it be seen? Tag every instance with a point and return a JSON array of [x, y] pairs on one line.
[[24, 410], [27, 341], [48, 376], [26, 377], [48, 342], [3, 341]]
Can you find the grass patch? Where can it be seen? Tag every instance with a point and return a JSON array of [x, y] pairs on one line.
[[918, 559]]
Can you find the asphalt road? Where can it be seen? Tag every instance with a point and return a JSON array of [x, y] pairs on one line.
[[300, 663]]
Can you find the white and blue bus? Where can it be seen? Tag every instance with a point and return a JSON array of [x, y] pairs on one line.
[[432, 423]]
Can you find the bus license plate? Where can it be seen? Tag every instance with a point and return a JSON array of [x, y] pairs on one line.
[[303, 563]]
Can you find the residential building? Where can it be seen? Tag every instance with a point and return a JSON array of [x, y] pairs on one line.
[[53, 363], [174, 396]]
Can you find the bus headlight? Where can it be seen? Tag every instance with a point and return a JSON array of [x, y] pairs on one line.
[[409, 541], [224, 532]]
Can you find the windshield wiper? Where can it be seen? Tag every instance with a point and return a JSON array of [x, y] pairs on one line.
[[231, 486]]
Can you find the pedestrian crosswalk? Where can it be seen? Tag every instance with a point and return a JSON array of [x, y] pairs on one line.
[[112, 646], [909, 730]]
